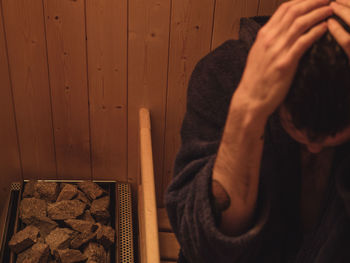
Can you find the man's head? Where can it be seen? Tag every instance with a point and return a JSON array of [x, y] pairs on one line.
[[318, 102]]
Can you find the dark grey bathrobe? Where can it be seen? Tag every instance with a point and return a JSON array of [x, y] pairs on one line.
[[275, 235]]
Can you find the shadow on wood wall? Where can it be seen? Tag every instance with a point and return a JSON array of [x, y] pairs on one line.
[[74, 73]]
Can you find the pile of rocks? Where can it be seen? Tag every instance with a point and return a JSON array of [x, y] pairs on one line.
[[63, 222]]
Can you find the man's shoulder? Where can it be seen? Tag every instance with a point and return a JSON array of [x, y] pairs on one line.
[[221, 59], [215, 78], [220, 70], [227, 61]]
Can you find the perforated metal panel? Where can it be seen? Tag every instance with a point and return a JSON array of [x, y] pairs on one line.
[[16, 186], [126, 251]]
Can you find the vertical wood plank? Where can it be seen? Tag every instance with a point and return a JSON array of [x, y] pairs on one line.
[[9, 155], [268, 7], [25, 32], [168, 246], [65, 34], [191, 32], [163, 220], [147, 79], [107, 57], [227, 16]]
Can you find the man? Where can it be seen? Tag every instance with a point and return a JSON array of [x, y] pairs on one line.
[[253, 181]]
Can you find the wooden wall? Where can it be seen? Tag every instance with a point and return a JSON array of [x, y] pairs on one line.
[[73, 74]]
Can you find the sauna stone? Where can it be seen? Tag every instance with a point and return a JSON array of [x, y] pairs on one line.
[[83, 238], [80, 225], [45, 225], [46, 190], [66, 209], [69, 256], [32, 207], [29, 189], [24, 239], [68, 192], [105, 235], [91, 189], [62, 185], [82, 197], [66, 224], [95, 253], [38, 253], [59, 238], [88, 217], [100, 209]]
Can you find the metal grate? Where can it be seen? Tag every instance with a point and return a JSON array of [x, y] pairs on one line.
[[125, 224]]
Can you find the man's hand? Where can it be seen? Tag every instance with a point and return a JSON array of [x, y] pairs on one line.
[[274, 57], [342, 9]]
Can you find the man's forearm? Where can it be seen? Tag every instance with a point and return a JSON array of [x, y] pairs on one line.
[[237, 166]]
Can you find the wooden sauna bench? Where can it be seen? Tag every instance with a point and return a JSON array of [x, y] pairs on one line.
[[157, 242]]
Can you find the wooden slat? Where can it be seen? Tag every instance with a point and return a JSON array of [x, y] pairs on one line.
[[163, 220], [268, 7], [107, 62], [65, 31], [141, 221], [190, 40], [25, 33], [10, 169], [147, 78], [168, 246], [148, 189], [227, 16]]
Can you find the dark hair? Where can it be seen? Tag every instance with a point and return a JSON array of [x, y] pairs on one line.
[[319, 96]]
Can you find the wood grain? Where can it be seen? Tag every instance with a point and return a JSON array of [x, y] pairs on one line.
[[227, 17], [107, 67], [268, 7], [168, 246], [163, 220], [147, 79], [137, 54], [9, 154], [148, 195], [25, 32], [65, 31], [190, 40], [141, 224]]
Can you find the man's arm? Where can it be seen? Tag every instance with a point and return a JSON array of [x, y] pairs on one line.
[[270, 68], [236, 170]]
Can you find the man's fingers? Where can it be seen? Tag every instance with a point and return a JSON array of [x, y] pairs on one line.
[[301, 8], [342, 11], [340, 35], [295, 10], [281, 11], [302, 24], [306, 40], [343, 2]]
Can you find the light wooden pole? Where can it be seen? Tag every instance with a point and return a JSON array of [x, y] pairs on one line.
[[149, 242]]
